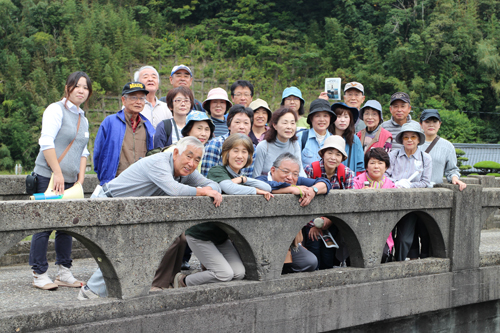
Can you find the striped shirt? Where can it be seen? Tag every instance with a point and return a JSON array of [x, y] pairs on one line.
[[395, 128]]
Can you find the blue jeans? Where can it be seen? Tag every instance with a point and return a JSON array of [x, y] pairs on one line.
[[40, 241]]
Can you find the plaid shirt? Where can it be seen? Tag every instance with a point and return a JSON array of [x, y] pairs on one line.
[[213, 156], [348, 183]]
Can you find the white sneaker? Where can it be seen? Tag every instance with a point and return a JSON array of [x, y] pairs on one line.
[[43, 281], [66, 279], [86, 293]]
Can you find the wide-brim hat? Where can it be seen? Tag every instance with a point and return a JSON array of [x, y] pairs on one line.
[[217, 93], [292, 91], [354, 111], [194, 116], [412, 126], [334, 141], [132, 87], [373, 104], [319, 105], [260, 103]]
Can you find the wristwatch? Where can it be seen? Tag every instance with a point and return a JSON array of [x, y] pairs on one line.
[[315, 190]]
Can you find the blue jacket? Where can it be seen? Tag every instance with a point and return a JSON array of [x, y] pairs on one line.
[[310, 150], [108, 144], [357, 158]]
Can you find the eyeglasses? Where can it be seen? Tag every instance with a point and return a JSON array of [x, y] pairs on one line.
[[242, 94], [181, 101], [288, 172], [412, 138], [292, 99], [135, 98]]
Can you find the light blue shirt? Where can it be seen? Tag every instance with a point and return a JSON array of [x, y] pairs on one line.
[[312, 146], [403, 166]]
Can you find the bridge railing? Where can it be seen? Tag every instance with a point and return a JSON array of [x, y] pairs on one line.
[[128, 236]]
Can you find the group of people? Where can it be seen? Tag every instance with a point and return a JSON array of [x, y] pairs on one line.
[[179, 146]]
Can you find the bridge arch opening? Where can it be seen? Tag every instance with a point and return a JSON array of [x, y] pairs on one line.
[[427, 239], [235, 252], [334, 244], [12, 241]]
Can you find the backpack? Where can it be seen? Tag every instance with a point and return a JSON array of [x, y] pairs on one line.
[[167, 125], [340, 172]]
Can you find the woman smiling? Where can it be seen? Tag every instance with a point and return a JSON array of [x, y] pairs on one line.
[[280, 138], [321, 118], [344, 126], [374, 135]]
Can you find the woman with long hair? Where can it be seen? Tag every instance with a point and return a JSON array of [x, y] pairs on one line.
[[63, 156], [279, 139], [344, 126]]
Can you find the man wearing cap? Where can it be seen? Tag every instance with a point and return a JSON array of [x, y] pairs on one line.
[[354, 96], [242, 92], [154, 110], [261, 115], [444, 157], [321, 118], [400, 108], [123, 138], [182, 75], [217, 105]]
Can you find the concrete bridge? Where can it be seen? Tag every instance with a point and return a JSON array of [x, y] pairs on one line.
[[128, 237]]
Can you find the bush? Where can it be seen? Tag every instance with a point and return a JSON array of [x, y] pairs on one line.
[[487, 166], [6, 162], [493, 174]]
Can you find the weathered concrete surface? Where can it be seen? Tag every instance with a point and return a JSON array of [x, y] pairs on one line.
[[14, 187], [19, 254], [308, 306], [128, 237], [114, 230]]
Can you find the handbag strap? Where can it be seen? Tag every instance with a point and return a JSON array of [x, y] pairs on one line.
[[71, 143], [433, 143]]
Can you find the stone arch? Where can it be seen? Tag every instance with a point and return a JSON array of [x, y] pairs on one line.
[[111, 277], [437, 246], [244, 249], [351, 239]]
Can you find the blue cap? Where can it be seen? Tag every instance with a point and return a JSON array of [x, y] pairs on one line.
[[194, 116], [373, 104], [292, 91], [354, 111], [176, 68]]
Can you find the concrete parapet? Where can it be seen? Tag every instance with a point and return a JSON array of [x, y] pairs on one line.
[[14, 187]]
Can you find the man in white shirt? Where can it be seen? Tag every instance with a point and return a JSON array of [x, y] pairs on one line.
[[154, 110]]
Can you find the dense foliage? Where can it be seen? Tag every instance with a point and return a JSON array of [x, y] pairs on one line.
[[444, 53]]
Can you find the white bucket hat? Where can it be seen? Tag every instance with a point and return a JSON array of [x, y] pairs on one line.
[[334, 141]]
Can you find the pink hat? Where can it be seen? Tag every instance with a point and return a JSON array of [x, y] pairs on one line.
[[216, 93]]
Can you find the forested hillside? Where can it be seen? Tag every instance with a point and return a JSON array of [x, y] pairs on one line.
[[444, 53]]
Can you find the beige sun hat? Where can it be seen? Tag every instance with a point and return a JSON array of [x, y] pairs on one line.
[[216, 93], [334, 141], [260, 103]]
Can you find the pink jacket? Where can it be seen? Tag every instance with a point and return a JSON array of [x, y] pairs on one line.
[[359, 184], [361, 179]]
